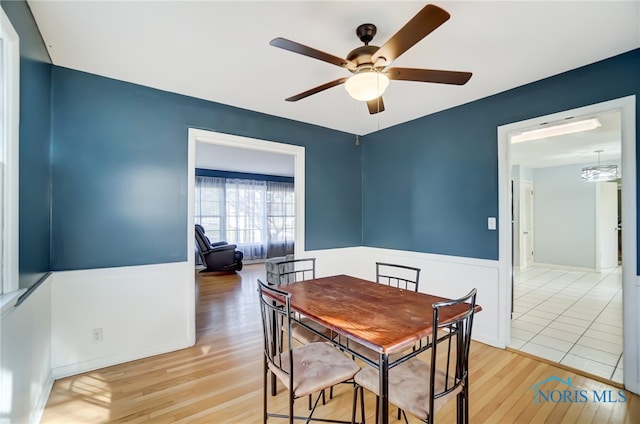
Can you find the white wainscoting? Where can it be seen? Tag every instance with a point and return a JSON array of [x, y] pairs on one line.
[[631, 335], [25, 372], [447, 276], [142, 311]]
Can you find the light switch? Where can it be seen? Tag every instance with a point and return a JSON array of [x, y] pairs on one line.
[[491, 223]]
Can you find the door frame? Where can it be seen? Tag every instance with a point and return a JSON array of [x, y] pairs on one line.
[[521, 212], [602, 228], [222, 139], [630, 280]]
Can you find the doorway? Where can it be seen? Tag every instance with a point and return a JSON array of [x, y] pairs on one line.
[[297, 153], [626, 107], [567, 296]]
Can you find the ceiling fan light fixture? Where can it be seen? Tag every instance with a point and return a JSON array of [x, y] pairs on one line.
[[366, 85]]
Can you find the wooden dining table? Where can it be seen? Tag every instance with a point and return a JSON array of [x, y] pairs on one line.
[[386, 319]]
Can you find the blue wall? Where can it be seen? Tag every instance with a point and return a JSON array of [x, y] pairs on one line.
[[118, 165], [35, 126], [119, 169], [430, 184]]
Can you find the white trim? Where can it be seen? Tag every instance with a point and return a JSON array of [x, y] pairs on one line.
[[11, 55], [9, 300], [212, 137], [630, 281]]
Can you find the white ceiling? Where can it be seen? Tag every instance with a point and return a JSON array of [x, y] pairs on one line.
[[220, 51], [226, 158], [573, 148]]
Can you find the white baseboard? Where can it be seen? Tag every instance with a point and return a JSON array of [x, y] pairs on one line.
[[43, 398], [562, 267], [94, 364]]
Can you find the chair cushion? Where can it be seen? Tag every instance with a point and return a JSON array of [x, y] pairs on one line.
[[409, 386], [316, 366], [306, 336]]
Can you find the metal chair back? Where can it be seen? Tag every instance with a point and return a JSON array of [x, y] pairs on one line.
[[452, 363], [296, 270], [275, 311], [402, 276]]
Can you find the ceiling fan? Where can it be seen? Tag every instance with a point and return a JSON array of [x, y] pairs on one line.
[[368, 63]]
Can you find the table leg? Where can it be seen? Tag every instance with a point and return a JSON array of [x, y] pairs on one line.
[[383, 399]]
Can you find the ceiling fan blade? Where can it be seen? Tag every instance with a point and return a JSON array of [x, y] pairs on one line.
[[316, 90], [428, 75], [427, 20], [292, 46], [375, 105]]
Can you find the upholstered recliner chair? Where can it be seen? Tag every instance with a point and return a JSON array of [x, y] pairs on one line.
[[219, 256]]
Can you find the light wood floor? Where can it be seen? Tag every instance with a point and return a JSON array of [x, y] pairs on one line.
[[219, 380]]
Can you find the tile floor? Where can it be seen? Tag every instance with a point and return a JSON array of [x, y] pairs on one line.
[[570, 317]]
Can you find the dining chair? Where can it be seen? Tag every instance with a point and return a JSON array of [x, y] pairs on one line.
[[289, 271], [395, 275], [303, 370], [292, 271], [422, 387], [304, 330], [402, 276]]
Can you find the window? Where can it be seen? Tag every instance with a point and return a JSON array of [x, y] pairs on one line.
[[210, 206], [258, 216], [281, 217], [9, 108], [246, 216]]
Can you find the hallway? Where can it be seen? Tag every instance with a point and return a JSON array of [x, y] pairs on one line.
[[570, 317]]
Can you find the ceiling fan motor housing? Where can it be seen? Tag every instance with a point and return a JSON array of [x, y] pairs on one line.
[[362, 55]]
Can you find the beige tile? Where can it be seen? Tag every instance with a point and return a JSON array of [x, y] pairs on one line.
[[521, 334], [569, 328], [535, 320], [585, 309], [613, 348], [588, 365], [581, 315], [617, 375], [573, 321], [542, 314], [543, 352], [552, 342], [552, 308], [561, 334], [594, 355], [516, 343], [604, 336], [611, 329], [523, 325]]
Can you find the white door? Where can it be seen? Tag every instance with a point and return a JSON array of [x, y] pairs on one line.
[[606, 225], [526, 224]]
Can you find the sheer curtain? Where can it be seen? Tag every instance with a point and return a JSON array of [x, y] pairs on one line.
[[257, 216], [280, 219], [246, 216], [210, 206]]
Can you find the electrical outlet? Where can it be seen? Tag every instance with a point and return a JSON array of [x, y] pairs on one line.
[[96, 335]]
